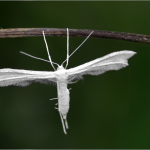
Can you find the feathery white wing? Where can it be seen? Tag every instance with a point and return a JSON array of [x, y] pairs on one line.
[[24, 77], [113, 61]]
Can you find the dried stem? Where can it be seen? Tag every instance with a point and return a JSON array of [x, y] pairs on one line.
[[29, 32]]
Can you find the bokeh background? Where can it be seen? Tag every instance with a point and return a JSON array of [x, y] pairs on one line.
[[107, 111]]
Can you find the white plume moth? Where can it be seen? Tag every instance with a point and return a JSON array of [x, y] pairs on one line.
[[62, 76]]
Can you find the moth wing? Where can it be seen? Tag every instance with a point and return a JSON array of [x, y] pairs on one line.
[[24, 77], [113, 61]]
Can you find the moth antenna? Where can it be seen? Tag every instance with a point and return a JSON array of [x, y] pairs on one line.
[[66, 123], [63, 123], [67, 48], [48, 51], [78, 47], [37, 57], [33, 56]]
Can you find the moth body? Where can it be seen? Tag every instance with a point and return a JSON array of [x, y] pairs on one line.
[[63, 98], [63, 92]]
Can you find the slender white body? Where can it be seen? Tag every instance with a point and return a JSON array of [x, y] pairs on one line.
[[63, 98], [63, 92]]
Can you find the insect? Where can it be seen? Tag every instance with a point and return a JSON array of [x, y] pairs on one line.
[[62, 76]]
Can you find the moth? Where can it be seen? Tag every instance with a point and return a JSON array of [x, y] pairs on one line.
[[62, 76]]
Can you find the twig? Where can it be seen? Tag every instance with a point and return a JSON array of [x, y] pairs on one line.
[[30, 32]]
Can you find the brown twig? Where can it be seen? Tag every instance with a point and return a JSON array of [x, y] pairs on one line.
[[29, 32]]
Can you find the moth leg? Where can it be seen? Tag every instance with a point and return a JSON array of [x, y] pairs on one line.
[[53, 98], [67, 48], [69, 89], [73, 82], [77, 47], [55, 107], [71, 79], [62, 123], [48, 52], [66, 123], [56, 104]]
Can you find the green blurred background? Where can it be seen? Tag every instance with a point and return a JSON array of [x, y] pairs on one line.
[[107, 111]]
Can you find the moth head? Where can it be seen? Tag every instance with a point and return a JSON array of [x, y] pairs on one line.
[[60, 67]]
